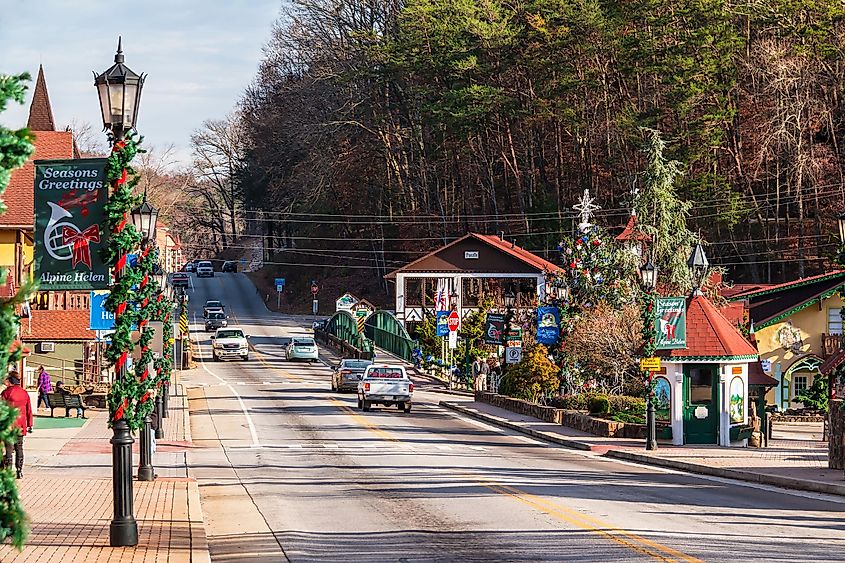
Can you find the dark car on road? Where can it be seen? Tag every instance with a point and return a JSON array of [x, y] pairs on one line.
[[213, 306], [230, 266], [348, 373], [215, 321]]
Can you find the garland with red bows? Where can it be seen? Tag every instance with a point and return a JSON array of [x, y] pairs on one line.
[[145, 301], [126, 391]]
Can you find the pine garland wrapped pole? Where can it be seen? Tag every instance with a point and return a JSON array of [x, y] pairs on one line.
[[15, 148]]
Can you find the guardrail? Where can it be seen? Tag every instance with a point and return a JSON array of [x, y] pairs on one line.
[[394, 343], [345, 349]]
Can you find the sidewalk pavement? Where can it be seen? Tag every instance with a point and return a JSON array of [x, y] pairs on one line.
[[67, 494], [792, 464]]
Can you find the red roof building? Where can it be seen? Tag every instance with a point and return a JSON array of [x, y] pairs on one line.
[[58, 325]]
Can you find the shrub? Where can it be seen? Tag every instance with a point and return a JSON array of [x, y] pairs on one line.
[[629, 417], [624, 403], [598, 404], [532, 377]]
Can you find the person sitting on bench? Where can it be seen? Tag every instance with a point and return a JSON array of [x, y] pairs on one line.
[[60, 388]]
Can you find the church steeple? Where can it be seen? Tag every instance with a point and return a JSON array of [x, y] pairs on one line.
[[40, 111]]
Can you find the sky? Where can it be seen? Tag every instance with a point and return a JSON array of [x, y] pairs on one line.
[[199, 56]]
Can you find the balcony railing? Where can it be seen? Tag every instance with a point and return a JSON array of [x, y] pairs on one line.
[[832, 343]]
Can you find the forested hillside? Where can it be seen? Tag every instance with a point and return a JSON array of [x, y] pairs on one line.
[[377, 129]]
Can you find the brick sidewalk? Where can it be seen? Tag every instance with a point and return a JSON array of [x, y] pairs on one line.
[[67, 494], [786, 463]]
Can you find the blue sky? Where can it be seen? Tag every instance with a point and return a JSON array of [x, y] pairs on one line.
[[199, 55]]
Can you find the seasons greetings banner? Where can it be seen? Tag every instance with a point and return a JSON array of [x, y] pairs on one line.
[[70, 197]]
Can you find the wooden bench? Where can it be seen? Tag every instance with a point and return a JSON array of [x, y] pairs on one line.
[[58, 400]]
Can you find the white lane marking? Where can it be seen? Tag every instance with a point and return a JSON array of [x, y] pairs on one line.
[[250, 424], [442, 447]]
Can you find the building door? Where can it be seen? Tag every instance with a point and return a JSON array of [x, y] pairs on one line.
[[701, 404]]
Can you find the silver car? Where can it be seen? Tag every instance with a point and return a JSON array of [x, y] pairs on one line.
[[301, 348], [348, 373]]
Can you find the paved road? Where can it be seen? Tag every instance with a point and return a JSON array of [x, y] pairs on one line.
[[289, 470]]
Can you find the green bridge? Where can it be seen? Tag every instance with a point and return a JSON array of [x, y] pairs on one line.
[[381, 329]]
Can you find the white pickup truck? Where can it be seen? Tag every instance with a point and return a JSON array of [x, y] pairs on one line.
[[385, 385]]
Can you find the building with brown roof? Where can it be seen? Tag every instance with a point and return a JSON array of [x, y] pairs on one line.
[[17, 225], [466, 272]]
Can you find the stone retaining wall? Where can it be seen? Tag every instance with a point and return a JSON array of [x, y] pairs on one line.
[[797, 418], [579, 420]]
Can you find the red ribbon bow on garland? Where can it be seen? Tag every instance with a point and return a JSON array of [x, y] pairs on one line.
[[81, 242]]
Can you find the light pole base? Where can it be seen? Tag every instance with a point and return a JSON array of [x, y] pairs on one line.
[[159, 409], [123, 530], [123, 533], [145, 469], [651, 426]]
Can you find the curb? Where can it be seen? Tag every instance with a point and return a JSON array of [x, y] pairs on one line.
[[449, 392], [199, 540], [736, 474]]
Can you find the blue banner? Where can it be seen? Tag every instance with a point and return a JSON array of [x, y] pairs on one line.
[[100, 318], [443, 323], [548, 325]]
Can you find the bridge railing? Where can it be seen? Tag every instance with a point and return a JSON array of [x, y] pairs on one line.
[[394, 343]]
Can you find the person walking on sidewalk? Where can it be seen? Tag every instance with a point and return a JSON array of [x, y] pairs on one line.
[[44, 387], [17, 397], [480, 369]]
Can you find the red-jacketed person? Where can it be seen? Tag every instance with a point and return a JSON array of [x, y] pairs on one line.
[[17, 397]]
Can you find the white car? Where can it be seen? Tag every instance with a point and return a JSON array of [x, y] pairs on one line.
[[229, 342], [386, 385], [302, 348], [205, 269]]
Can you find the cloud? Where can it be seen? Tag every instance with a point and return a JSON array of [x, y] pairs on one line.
[[199, 56]]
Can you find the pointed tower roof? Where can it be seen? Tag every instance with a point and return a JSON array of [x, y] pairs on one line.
[[40, 111]]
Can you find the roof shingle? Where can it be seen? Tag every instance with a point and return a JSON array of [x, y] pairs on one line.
[[58, 325]]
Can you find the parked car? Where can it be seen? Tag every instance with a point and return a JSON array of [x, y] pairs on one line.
[[212, 306], [190, 267], [215, 320], [229, 343], [180, 279], [230, 266], [301, 349], [386, 385], [205, 269], [348, 373]]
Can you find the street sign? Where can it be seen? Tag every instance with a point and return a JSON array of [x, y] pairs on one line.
[[454, 321], [453, 339], [650, 364], [315, 306], [513, 354], [442, 323], [100, 318], [766, 365], [280, 284], [315, 289], [514, 343]]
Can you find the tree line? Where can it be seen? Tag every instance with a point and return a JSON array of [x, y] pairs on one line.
[[378, 129]]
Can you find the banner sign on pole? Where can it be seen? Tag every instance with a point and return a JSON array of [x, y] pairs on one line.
[[442, 323], [100, 318], [70, 200], [670, 323], [548, 325], [494, 328]]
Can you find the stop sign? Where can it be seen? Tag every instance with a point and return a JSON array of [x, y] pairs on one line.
[[315, 289], [454, 321]]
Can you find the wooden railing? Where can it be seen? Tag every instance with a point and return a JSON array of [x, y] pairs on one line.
[[831, 343]]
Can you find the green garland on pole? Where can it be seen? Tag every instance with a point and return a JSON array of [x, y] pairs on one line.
[[15, 148], [145, 296], [125, 392]]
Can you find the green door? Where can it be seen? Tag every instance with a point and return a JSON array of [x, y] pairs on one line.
[[701, 403]]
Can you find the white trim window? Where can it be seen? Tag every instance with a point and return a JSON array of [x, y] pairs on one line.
[[799, 384], [834, 321]]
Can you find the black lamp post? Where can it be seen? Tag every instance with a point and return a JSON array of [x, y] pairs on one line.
[[144, 218], [841, 221], [119, 92], [648, 273], [510, 301]]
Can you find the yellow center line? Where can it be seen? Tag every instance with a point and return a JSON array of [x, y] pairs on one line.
[[383, 434], [595, 524], [259, 355]]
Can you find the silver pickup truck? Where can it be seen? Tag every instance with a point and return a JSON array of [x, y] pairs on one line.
[[385, 385]]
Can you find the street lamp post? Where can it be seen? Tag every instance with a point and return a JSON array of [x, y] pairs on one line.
[[648, 272], [144, 218], [510, 301], [841, 221], [119, 91]]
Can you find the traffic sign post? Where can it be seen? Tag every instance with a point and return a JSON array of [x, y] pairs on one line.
[[280, 287], [315, 289], [513, 354], [314, 307], [454, 321]]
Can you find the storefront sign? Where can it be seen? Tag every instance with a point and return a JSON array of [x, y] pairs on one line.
[[548, 325], [100, 318], [494, 328], [650, 364], [70, 199], [346, 302], [670, 323]]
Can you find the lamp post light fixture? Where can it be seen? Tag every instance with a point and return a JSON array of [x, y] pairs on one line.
[[841, 221], [698, 265], [119, 92], [119, 89], [648, 273]]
